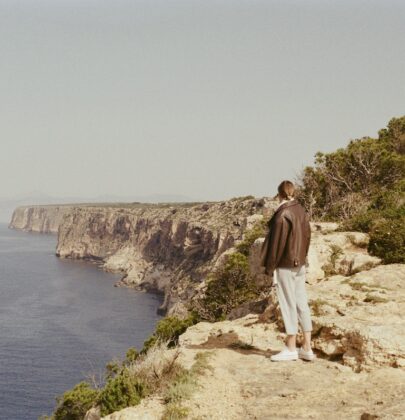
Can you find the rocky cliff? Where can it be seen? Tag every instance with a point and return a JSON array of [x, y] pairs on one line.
[[164, 247], [43, 219], [359, 372], [242, 382], [357, 307]]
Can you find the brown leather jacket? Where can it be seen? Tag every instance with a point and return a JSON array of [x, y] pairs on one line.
[[287, 243]]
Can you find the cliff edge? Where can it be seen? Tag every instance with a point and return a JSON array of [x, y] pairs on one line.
[[41, 218]]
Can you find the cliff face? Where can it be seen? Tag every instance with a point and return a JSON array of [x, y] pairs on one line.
[[358, 314], [43, 219], [168, 247]]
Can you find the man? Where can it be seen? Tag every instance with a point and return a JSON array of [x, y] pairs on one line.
[[284, 256]]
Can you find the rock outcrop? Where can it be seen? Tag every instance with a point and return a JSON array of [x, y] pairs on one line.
[[42, 219], [358, 337], [330, 252], [360, 319], [358, 313], [244, 384]]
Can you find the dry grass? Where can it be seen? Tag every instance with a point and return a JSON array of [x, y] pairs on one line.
[[158, 367], [316, 306], [183, 386]]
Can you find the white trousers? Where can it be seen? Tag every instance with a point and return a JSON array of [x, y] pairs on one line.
[[292, 298]]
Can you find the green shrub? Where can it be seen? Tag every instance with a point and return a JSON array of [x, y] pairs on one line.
[[169, 329], [384, 220], [122, 391], [181, 388], [74, 403], [228, 286], [130, 380], [362, 186], [387, 240], [330, 267], [131, 355], [113, 368], [174, 411], [258, 230], [361, 222]]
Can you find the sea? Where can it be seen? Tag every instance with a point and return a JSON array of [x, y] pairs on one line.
[[61, 322]]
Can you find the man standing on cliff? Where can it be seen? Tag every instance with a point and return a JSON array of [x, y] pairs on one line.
[[284, 256]]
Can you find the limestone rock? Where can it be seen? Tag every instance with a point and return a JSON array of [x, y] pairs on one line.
[[329, 253], [354, 262], [93, 414], [42, 219], [244, 383], [361, 319], [246, 329], [324, 227], [148, 409], [252, 220]]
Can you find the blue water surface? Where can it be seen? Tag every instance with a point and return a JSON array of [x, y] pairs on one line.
[[60, 321]]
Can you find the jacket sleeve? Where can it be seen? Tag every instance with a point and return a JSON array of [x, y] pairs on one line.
[[308, 231], [276, 243]]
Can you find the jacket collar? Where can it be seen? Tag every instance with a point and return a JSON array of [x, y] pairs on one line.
[[286, 203]]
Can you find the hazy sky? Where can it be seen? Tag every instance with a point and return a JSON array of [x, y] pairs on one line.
[[209, 99]]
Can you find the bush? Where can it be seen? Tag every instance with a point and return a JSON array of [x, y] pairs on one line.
[[122, 391], [228, 286], [258, 230], [387, 240], [130, 380], [343, 183], [73, 404], [131, 355], [362, 186], [384, 220], [168, 330]]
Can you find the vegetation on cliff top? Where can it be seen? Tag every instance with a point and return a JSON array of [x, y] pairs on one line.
[[363, 187]]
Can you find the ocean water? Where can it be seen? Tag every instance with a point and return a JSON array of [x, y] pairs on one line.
[[60, 322]]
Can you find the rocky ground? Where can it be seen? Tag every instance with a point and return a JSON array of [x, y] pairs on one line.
[[359, 339], [358, 313], [245, 384]]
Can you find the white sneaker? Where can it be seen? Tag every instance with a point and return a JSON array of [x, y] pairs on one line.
[[285, 354], [306, 355]]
